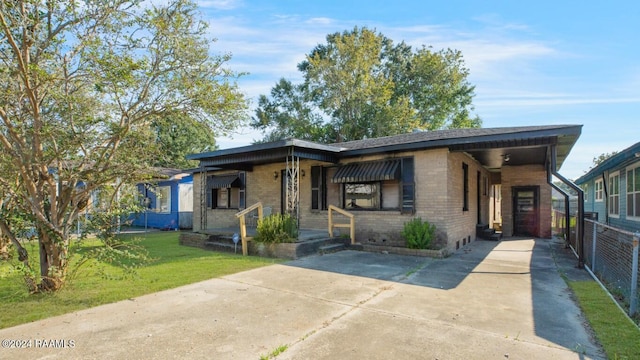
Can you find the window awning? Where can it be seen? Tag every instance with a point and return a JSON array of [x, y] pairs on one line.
[[224, 181], [368, 171]]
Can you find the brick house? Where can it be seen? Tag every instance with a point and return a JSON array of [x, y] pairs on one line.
[[457, 179]]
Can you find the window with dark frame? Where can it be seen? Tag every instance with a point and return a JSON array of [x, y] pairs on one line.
[[465, 171], [226, 195], [318, 188], [396, 193]]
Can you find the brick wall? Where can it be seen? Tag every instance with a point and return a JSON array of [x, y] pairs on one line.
[[461, 224], [438, 192]]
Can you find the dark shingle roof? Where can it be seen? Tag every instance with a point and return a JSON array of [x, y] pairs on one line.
[[446, 137]]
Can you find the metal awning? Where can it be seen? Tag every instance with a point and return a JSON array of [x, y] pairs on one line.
[[224, 181], [368, 171]]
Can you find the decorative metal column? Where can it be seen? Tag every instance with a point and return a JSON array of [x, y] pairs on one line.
[[203, 198], [293, 185]]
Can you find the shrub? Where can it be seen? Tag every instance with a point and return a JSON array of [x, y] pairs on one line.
[[418, 234], [277, 228]]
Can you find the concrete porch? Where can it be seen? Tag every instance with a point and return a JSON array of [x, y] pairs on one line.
[[310, 241]]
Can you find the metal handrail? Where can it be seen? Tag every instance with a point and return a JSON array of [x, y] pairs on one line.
[[243, 224], [351, 225]]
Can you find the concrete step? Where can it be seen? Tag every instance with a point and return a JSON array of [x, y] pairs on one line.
[[330, 248], [487, 233]]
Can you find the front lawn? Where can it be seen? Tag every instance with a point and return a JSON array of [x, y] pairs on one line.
[[173, 266]]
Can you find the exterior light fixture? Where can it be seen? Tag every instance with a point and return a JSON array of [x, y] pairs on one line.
[[302, 173], [275, 175]]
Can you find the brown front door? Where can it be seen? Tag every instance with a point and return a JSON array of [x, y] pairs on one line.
[[525, 211]]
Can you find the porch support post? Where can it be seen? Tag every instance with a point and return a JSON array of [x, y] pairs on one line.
[[293, 185], [203, 197]]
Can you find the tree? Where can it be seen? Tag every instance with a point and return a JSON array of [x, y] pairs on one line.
[[602, 158], [178, 135], [360, 85], [82, 83], [289, 114]]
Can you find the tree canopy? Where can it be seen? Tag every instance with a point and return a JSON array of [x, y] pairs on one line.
[[85, 85], [362, 85], [178, 135]]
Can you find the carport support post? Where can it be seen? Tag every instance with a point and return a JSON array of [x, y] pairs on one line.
[[634, 277]]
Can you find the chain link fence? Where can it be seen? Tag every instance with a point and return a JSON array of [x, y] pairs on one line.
[[610, 253]]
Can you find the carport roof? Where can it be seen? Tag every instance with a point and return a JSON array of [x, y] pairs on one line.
[[493, 147]]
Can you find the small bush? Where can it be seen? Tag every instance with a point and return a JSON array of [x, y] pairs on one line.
[[418, 234], [277, 228]]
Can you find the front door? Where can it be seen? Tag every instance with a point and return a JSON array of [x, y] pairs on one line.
[[525, 211]]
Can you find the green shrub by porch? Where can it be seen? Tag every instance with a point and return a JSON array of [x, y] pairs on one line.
[[277, 228], [418, 234]]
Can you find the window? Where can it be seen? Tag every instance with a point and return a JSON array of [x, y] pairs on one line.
[[485, 186], [318, 188], [598, 190], [465, 170], [375, 185], [633, 192], [614, 195], [163, 199], [362, 196], [226, 191]]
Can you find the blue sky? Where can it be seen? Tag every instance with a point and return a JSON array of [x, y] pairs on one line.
[[533, 63]]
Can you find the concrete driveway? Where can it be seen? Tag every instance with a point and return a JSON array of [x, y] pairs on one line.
[[490, 300]]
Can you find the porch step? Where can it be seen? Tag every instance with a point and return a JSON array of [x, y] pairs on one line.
[[331, 248], [486, 233]]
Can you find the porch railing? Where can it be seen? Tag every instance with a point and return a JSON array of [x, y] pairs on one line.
[[242, 216], [351, 225]]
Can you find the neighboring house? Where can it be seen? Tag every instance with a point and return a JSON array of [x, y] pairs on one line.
[[612, 189], [168, 199], [456, 179]]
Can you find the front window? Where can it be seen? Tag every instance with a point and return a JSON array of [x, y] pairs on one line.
[[614, 195], [163, 199], [375, 185], [362, 196], [633, 192], [598, 190], [465, 194], [226, 191]]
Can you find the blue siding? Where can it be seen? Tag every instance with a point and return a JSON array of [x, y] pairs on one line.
[[161, 220], [621, 162]]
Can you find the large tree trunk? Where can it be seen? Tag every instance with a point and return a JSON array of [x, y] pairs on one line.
[[53, 261]]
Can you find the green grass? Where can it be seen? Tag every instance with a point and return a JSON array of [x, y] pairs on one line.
[[618, 336], [277, 351], [173, 265]]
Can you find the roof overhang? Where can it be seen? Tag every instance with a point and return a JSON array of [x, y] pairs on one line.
[[246, 157]]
